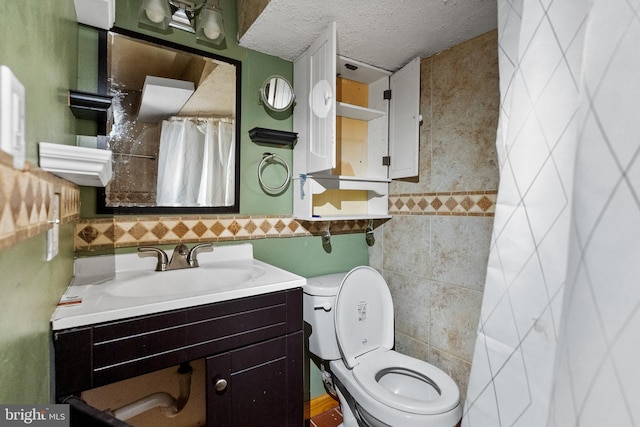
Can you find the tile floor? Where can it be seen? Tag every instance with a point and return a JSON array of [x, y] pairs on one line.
[[330, 418]]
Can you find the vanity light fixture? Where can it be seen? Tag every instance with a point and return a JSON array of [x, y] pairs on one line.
[[202, 18]]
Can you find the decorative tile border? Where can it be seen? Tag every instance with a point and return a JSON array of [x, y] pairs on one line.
[[119, 232], [25, 201], [463, 203], [125, 231]]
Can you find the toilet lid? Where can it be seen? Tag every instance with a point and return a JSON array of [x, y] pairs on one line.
[[363, 314]]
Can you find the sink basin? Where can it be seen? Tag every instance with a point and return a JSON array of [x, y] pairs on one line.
[[137, 284], [112, 287]]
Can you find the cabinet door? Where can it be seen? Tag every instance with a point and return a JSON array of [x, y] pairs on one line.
[[258, 385], [315, 83], [404, 121], [83, 415]]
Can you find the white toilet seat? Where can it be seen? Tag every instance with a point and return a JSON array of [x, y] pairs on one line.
[[374, 383], [370, 365], [363, 314]]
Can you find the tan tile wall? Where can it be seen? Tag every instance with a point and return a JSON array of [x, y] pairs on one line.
[[434, 250], [25, 201]]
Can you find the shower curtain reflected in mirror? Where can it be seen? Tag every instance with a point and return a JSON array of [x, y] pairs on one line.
[[196, 162]]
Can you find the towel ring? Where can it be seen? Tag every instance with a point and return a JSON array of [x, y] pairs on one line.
[[273, 158]]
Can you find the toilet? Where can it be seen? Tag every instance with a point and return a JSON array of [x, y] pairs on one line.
[[352, 333]]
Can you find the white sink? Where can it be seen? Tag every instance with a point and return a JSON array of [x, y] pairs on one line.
[[113, 287], [140, 284]]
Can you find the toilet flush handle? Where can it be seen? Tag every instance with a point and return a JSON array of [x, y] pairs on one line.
[[326, 306]]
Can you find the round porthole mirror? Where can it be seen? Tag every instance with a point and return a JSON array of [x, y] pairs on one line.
[[276, 93]]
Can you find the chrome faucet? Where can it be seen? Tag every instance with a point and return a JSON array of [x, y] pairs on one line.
[[182, 256], [192, 256], [163, 260]]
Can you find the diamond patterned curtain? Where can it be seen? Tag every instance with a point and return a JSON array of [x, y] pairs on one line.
[[559, 331]]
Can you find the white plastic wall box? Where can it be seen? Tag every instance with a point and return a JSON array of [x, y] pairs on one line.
[[12, 116]]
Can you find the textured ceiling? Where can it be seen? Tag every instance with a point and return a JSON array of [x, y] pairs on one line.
[[384, 33]]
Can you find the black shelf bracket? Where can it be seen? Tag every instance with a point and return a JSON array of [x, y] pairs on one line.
[[89, 106]]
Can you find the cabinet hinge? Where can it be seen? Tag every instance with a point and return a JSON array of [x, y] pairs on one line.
[[386, 161], [386, 94]]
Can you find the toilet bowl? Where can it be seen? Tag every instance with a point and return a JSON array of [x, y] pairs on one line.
[[351, 319]]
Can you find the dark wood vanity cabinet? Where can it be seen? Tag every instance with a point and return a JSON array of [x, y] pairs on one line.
[[253, 348], [259, 385]]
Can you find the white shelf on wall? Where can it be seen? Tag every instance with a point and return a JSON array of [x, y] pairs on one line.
[[356, 112], [81, 165], [315, 191], [333, 218]]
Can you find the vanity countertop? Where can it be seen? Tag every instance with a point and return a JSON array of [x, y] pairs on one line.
[[105, 288]]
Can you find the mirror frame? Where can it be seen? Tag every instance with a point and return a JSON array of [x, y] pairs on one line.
[[103, 88], [265, 98]]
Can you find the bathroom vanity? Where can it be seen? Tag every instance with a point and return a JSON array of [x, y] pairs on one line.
[[252, 346]]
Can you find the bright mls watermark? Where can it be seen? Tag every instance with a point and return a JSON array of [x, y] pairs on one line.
[[34, 415]]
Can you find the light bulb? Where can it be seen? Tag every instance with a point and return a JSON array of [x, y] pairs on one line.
[[211, 24], [155, 12], [212, 32]]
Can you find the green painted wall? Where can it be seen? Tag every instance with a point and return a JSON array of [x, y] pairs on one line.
[[50, 54], [38, 41]]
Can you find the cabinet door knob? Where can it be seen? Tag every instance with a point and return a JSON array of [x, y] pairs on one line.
[[221, 384]]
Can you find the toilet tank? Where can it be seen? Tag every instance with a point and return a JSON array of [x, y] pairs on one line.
[[319, 295]]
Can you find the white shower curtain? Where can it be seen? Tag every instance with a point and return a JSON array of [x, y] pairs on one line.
[[196, 162], [559, 333]]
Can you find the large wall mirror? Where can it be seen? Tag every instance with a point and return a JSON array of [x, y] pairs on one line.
[[174, 127]]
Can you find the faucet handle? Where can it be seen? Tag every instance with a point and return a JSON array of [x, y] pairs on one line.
[[163, 259], [192, 258]]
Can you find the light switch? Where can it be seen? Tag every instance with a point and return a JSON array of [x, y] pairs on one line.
[[12, 116]]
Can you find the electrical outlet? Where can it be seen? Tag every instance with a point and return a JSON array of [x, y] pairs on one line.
[[12, 116]]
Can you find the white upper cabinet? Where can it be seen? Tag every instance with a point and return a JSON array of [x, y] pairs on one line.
[[404, 121], [357, 129], [316, 88]]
